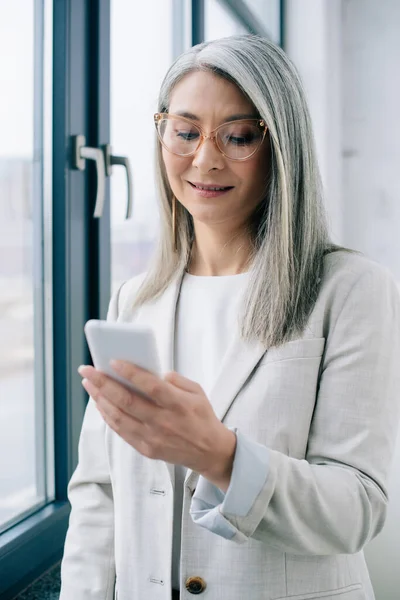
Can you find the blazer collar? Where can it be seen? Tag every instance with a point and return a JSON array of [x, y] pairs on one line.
[[240, 359]]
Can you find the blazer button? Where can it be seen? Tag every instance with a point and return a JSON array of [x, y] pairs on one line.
[[195, 585]]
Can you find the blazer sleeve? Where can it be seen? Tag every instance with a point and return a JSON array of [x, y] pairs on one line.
[[334, 501], [88, 567]]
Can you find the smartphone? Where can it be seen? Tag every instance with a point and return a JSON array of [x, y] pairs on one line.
[[108, 341]]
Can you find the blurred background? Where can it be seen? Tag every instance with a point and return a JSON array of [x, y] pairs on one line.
[[94, 68]]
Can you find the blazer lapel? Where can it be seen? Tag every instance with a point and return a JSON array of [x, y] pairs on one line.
[[237, 365], [160, 316], [240, 360]]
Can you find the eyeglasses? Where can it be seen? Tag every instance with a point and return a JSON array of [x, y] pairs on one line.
[[237, 140]]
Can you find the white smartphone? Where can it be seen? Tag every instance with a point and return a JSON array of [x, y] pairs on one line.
[[108, 341]]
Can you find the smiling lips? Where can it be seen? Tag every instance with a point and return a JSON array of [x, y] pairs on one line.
[[209, 191]]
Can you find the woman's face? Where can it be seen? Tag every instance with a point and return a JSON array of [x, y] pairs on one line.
[[211, 101]]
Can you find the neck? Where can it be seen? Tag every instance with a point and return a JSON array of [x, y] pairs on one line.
[[216, 254]]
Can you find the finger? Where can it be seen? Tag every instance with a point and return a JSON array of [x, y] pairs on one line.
[[98, 385], [182, 382], [87, 371], [117, 419], [91, 389], [104, 406], [113, 411], [160, 391]]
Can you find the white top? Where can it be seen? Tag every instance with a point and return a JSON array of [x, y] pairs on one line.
[[206, 320]]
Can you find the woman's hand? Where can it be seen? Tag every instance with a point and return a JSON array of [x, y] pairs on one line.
[[178, 425]]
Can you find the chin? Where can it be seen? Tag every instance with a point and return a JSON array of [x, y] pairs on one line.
[[211, 220], [204, 210]]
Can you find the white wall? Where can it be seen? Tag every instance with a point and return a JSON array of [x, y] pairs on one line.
[[348, 54], [371, 193], [371, 128]]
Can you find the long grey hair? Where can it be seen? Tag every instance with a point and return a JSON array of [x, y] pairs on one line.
[[288, 229]]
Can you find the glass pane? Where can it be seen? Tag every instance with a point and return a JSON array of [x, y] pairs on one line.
[[135, 83], [22, 346], [219, 21], [269, 15]]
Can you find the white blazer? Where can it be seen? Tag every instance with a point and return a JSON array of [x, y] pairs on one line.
[[326, 406]]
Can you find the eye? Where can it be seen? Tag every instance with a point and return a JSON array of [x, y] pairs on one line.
[[187, 136], [239, 140], [240, 135]]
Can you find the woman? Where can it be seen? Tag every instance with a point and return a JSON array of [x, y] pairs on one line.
[[260, 470]]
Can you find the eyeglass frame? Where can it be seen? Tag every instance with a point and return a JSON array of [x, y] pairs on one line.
[[159, 116]]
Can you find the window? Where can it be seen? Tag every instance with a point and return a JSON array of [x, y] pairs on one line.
[[26, 445], [219, 21], [269, 15], [134, 89]]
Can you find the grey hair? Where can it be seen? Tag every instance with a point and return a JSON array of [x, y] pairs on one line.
[[288, 229]]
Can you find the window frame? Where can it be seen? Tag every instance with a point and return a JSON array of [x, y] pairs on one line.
[[36, 543]]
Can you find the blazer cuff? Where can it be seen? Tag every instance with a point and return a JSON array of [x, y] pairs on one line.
[[212, 509]]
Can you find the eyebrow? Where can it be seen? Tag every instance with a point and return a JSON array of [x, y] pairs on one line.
[[237, 117]]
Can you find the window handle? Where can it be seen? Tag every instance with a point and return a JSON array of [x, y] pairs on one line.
[[124, 161], [81, 153]]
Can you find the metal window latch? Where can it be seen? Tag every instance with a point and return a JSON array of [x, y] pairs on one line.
[[104, 161], [124, 161], [81, 153]]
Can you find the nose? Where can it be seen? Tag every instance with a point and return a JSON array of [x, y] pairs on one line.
[[208, 157]]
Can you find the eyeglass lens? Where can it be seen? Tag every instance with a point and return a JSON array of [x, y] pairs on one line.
[[237, 140]]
